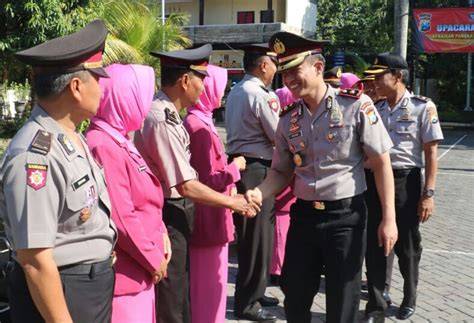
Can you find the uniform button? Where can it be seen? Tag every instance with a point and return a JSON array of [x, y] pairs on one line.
[[391, 130]]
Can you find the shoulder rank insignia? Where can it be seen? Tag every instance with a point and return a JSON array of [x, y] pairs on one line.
[[41, 143], [421, 98], [172, 117], [288, 108], [66, 143], [355, 94], [265, 89]]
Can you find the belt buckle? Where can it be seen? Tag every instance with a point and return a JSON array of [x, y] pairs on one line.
[[318, 205]]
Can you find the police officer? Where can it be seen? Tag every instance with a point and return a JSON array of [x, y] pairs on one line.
[[322, 140], [53, 196], [413, 125], [164, 144], [252, 110], [333, 76]]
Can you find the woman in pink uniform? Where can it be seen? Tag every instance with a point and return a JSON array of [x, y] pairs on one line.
[[213, 226], [136, 195]]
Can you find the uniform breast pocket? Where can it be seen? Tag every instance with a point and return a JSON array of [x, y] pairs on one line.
[[79, 214], [339, 142], [406, 130]]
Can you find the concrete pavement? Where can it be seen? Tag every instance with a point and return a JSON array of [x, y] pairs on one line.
[[446, 287]]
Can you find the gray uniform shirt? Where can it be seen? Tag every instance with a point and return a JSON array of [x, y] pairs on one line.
[[56, 199], [412, 122], [329, 146], [164, 144], [251, 118]]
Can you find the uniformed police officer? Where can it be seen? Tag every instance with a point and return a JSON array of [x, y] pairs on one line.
[[413, 125], [333, 76], [164, 144], [53, 195], [322, 140], [252, 110]]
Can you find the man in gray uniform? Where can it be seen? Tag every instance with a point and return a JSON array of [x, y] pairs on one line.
[[53, 195], [164, 144], [323, 140], [251, 119], [413, 125]]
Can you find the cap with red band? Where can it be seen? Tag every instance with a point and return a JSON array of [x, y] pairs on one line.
[[79, 51]]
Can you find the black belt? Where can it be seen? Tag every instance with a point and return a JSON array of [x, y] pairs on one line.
[[251, 160], [87, 269], [404, 171], [330, 205]]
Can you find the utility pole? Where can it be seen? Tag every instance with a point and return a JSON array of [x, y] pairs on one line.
[[402, 8], [469, 75]]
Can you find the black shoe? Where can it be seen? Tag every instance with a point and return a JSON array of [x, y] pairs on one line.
[[274, 280], [375, 317], [405, 312], [386, 297], [261, 316], [267, 301]]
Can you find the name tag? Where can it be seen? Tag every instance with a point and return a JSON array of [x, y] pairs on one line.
[[81, 181]]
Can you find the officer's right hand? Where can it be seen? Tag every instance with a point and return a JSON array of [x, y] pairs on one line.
[[241, 206], [254, 196], [161, 272], [240, 162]]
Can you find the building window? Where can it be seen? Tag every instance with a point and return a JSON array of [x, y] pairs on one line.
[[266, 16], [245, 17]]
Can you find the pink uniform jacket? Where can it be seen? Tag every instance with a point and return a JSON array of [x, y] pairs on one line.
[[139, 219], [212, 225]]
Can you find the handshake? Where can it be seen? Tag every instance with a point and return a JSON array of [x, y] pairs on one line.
[[247, 205]]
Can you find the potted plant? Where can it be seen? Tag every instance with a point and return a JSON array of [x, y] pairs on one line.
[[22, 93]]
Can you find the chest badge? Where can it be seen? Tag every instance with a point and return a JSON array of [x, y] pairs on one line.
[[85, 214], [297, 159], [406, 113]]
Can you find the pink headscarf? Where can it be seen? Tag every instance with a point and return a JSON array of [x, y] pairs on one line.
[[126, 99], [210, 99], [348, 80]]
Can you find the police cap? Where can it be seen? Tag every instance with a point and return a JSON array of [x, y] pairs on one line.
[[194, 59], [260, 49], [333, 76], [76, 52], [385, 62], [292, 49]]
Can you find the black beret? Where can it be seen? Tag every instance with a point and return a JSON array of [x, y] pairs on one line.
[[79, 51], [292, 49], [384, 62], [195, 59]]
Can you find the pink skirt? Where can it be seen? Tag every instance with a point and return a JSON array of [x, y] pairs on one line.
[[135, 308], [208, 283], [282, 224]]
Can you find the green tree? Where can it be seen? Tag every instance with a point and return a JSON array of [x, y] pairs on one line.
[[135, 30], [30, 22]]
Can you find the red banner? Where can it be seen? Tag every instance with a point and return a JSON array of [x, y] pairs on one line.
[[443, 30]]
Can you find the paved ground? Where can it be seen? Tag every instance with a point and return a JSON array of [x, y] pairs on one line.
[[446, 287]]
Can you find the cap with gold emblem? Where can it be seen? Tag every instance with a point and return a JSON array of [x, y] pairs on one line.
[[260, 49], [195, 59], [76, 52], [333, 76], [384, 62], [292, 49]]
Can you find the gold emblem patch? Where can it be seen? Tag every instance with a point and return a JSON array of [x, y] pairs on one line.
[[278, 47]]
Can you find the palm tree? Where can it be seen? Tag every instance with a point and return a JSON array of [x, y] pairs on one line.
[[135, 30]]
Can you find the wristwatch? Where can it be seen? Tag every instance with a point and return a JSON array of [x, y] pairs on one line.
[[428, 192]]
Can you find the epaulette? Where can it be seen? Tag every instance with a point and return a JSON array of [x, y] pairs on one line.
[[172, 117], [265, 89], [41, 143], [421, 98], [351, 93], [288, 108]]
